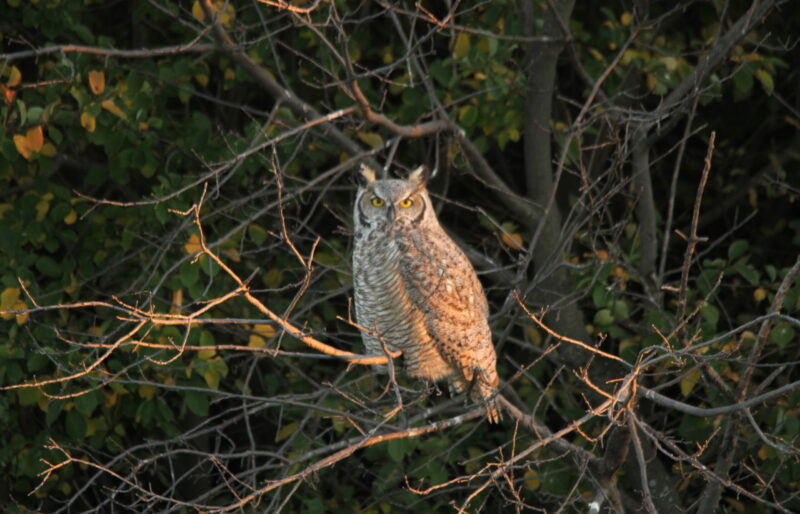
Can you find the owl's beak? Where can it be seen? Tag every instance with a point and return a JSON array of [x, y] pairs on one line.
[[390, 212]]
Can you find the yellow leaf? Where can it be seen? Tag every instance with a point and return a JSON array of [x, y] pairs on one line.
[[736, 505], [263, 333], [265, 330], [202, 79], [88, 122], [233, 254], [532, 480], [230, 74], [513, 241], [227, 17], [255, 341], [626, 19], [147, 391], [759, 294], [97, 82], [14, 77], [91, 427], [671, 63], [731, 375], [197, 11], [8, 94], [193, 245], [534, 335], [273, 278], [373, 139], [625, 344], [35, 138], [461, 46], [41, 209], [8, 298], [652, 82], [286, 431], [467, 111], [70, 218], [211, 376], [689, 381], [109, 400], [206, 354], [48, 150], [388, 56], [21, 318], [111, 107], [177, 301], [628, 56], [21, 142], [596, 54]]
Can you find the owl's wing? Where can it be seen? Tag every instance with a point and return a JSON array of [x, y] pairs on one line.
[[443, 285]]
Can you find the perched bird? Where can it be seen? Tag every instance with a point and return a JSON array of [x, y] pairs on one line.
[[416, 291]]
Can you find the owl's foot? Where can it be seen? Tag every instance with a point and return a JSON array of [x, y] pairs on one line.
[[493, 411], [485, 394]]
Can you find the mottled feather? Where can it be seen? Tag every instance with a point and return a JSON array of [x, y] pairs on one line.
[[416, 291]]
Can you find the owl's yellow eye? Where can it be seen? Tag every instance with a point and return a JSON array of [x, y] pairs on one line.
[[408, 202], [377, 202]]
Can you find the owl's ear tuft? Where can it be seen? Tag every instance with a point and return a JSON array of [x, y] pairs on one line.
[[365, 175], [420, 176]]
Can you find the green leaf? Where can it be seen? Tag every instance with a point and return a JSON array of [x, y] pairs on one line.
[[189, 273], [603, 317], [35, 114], [53, 411], [468, 115], [75, 424], [461, 46], [197, 402], [707, 280], [782, 333], [286, 430], [621, 310], [36, 362], [710, 314], [86, 403], [772, 272], [764, 77], [743, 82], [441, 73], [206, 339], [693, 428], [601, 296], [397, 449], [48, 266], [257, 233], [737, 249], [29, 395], [749, 273], [314, 505]]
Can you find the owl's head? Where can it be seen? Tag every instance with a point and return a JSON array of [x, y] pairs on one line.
[[387, 202]]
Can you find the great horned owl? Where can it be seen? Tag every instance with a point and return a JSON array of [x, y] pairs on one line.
[[416, 291]]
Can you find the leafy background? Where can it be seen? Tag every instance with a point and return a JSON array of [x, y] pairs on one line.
[[116, 116]]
